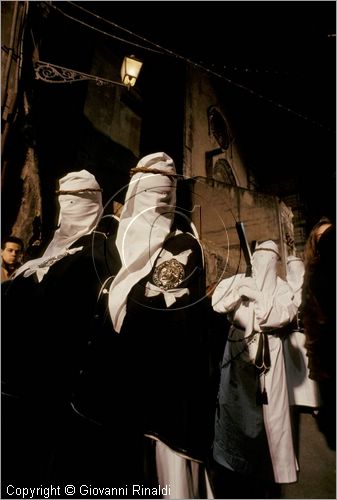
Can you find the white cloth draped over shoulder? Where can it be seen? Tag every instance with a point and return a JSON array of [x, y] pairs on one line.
[[145, 222], [80, 209]]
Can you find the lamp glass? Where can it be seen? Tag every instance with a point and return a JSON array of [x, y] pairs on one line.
[[130, 70]]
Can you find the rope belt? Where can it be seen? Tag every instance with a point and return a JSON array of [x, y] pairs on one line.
[[262, 361]]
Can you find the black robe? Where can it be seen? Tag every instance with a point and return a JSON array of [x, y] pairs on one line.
[[51, 332], [169, 357]]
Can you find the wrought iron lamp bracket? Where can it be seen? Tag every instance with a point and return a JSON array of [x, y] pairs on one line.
[[52, 73]]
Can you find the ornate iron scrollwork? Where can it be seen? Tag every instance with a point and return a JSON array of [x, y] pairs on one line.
[[51, 73]]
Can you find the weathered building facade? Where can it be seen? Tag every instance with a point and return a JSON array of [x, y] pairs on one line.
[[106, 128], [223, 189]]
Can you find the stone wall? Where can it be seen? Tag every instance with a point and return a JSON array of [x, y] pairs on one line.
[[201, 147], [216, 209]]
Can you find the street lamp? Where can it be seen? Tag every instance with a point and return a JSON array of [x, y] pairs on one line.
[[52, 73], [130, 70]]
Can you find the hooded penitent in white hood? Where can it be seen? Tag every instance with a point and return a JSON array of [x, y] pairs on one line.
[[255, 338], [145, 222], [80, 202], [264, 267]]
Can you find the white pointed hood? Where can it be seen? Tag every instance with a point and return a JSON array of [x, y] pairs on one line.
[[81, 207], [145, 222]]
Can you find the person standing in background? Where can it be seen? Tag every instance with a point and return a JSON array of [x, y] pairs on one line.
[[319, 319], [11, 254]]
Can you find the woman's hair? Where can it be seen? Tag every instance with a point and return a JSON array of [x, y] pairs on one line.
[[311, 255]]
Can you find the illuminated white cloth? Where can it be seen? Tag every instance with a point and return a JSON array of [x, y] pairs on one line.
[[269, 308], [79, 214], [145, 222], [260, 288], [302, 390], [187, 478], [295, 275]]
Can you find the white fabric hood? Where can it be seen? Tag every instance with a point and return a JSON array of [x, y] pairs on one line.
[[264, 265], [81, 207], [145, 222]]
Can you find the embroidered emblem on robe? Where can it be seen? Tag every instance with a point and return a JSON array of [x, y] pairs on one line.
[[169, 274]]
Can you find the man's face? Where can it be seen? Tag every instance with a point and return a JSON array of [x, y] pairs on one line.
[[11, 253]]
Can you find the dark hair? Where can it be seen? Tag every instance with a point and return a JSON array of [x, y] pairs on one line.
[[12, 239], [311, 255]]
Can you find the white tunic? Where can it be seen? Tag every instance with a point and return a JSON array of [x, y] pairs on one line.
[[243, 429], [301, 389]]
